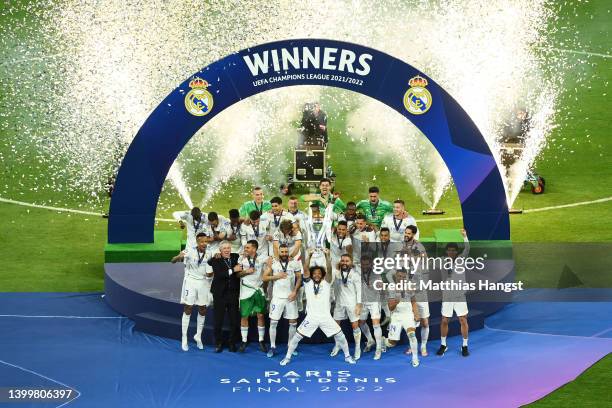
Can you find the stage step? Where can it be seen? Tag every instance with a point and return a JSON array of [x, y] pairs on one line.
[[170, 326]]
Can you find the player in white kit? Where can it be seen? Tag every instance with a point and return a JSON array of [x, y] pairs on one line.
[[217, 224], [454, 301], [361, 232], [257, 228], [298, 215], [386, 249], [195, 222], [196, 287], [404, 315], [252, 299], [277, 215], [340, 243], [286, 277], [371, 300], [318, 294], [232, 230], [414, 248], [347, 286], [289, 235], [398, 221]]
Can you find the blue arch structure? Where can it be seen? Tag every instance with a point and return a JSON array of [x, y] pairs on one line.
[[307, 62]]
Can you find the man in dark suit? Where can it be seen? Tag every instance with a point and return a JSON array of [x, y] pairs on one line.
[[225, 289]]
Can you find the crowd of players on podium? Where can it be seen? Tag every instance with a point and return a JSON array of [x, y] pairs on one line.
[[268, 259]]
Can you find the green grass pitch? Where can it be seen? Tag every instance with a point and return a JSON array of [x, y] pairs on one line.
[[45, 250]]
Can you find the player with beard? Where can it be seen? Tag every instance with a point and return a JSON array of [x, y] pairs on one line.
[[361, 233], [454, 301], [374, 208], [398, 221], [256, 204], [347, 287], [277, 215], [414, 248], [290, 236], [286, 277], [256, 228], [404, 315], [195, 222], [252, 299], [340, 243], [349, 215], [371, 299], [196, 288], [318, 294]]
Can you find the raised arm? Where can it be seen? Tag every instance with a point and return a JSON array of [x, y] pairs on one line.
[[179, 258], [296, 248], [329, 275], [268, 274], [466, 244]]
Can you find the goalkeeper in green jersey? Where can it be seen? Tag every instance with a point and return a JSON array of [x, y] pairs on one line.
[[325, 197], [257, 204], [374, 208]]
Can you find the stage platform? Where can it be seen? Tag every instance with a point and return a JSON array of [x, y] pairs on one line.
[[76, 341], [142, 284]]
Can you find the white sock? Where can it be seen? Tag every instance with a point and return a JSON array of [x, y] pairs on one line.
[[185, 324], [357, 337], [414, 344], [273, 324], [378, 336], [244, 331], [200, 325], [293, 343], [261, 330], [465, 342], [292, 331], [424, 336], [365, 329], [342, 343], [443, 341]]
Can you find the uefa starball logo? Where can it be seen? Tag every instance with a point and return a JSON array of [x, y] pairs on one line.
[[417, 99]]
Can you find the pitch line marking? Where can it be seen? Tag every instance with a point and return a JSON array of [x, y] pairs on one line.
[[46, 378], [602, 332], [601, 200], [591, 54], [545, 334], [532, 210]]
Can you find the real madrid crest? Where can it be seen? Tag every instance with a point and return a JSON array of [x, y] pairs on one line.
[[198, 101], [417, 98]]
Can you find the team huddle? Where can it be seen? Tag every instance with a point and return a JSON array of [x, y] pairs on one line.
[[268, 259]]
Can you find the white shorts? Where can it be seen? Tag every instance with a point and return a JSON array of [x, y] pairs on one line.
[[371, 308], [423, 309], [311, 323], [400, 320], [283, 308], [345, 312], [460, 308], [196, 292]]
